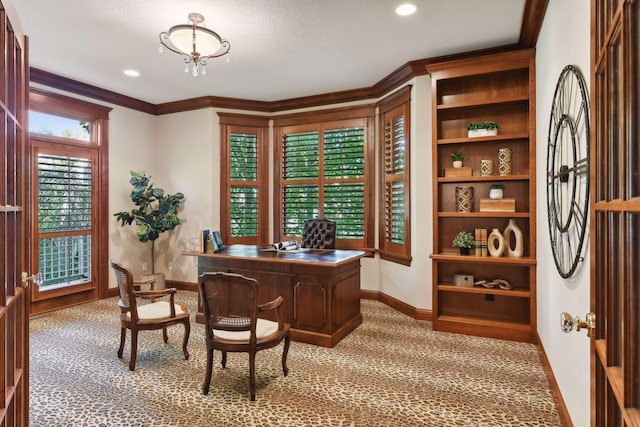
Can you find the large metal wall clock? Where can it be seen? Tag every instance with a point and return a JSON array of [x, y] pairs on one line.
[[568, 171]]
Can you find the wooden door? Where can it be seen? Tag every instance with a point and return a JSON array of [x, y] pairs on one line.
[[615, 213], [14, 297]]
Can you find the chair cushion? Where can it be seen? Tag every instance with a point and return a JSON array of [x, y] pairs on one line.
[[156, 310], [264, 328]]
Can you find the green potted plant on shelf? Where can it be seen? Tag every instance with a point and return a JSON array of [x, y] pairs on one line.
[[496, 191], [484, 128], [457, 158], [463, 241], [154, 213]]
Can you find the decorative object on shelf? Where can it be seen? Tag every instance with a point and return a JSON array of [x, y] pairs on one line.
[[498, 205], [464, 198], [481, 241], [486, 128], [499, 283], [504, 161], [463, 280], [457, 158], [568, 171], [196, 44], [496, 191], [517, 250], [486, 167], [463, 171], [463, 241], [496, 238]]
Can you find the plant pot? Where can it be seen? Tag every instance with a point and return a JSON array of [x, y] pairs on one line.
[[481, 132], [457, 164], [160, 280], [496, 193], [464, 251]]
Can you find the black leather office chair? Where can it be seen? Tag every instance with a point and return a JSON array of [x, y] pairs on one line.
[[319, 234]]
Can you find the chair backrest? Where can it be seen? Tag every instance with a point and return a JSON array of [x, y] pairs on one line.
[[319, 234], [125, 286], [229, 302]]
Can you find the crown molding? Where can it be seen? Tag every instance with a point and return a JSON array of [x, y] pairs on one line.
[[79, 88]]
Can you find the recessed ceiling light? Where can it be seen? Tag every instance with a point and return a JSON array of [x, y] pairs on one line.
[[132, 73], [406, 9]]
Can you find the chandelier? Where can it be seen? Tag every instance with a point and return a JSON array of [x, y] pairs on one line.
[[197, 44]]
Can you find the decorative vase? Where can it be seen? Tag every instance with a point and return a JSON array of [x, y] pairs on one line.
[[496, 193], [504, 161], [495, 238], [457, 164], [464, 199], [517, 250], [464, 251], [486, 167]]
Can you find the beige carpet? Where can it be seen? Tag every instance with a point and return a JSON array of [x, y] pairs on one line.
[[391, 371]]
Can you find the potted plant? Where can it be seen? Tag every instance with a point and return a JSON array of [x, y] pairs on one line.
[[457, 158], [154, 213], [485, 128], [463, 241], [496, 191]]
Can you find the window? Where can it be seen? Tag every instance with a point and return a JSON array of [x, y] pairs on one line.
[[324, 170], [244, 180], [64, 219], [68, 144], [395, 220]]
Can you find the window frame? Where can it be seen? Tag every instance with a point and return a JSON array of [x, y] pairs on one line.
[[60, 105], [231, 123], [321, 121], [394, 105]]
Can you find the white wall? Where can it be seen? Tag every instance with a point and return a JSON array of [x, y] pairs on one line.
[[564, 40]]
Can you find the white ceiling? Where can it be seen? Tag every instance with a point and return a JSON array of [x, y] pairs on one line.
[[280, 49]]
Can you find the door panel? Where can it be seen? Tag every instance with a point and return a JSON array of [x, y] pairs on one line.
[[615, 213], [14, 297]]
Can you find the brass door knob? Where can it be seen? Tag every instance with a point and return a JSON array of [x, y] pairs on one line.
[[569, 323], [36, 278]]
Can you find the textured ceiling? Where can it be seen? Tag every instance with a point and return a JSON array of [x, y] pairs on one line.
[[280, 49]]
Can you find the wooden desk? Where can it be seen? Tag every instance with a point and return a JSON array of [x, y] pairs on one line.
[[320, 287]]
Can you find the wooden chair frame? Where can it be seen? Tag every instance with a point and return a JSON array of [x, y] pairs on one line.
[[239, 324], [129, 318]]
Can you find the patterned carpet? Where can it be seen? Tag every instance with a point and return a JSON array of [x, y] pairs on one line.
[[391, 371]]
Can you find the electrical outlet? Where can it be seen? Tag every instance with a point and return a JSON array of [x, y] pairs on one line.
[[170, 266], [144, 266]]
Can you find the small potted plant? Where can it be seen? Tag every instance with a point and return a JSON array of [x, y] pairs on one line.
[[463, 241], [496, 191], [457, 158], [485, 128]]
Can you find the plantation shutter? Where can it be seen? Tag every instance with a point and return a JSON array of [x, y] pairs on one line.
[[395, 232], [344, 181], [394, 203], [244, 185], [65, 218], [300, 173]]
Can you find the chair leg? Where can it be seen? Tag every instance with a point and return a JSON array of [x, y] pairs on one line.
[[224, 359], [165, 337], [134, 349], [252, 375], [285, 352], [207, 376], [123, 337], [185, 341]]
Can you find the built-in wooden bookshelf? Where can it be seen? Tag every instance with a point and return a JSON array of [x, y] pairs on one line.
[[500, 88]]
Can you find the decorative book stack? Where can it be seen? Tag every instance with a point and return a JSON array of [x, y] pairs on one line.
[[481, 241]]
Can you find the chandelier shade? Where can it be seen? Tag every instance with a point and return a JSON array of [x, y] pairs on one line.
[[195, 43]]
